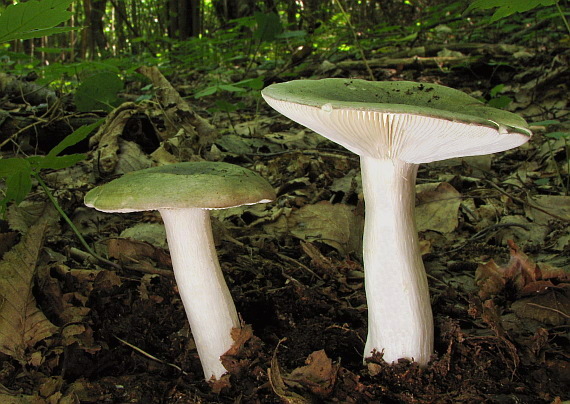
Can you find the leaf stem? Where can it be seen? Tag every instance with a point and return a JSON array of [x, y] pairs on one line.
[[70, 223]]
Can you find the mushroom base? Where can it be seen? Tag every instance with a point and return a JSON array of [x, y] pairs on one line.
[[400, 320], [206, 297]]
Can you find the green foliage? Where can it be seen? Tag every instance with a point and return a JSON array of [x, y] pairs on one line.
[[19, 172], [98, 92], [239, 87], [497, 100], [268, 26], [508, 7], [554, 137], [34, 19]]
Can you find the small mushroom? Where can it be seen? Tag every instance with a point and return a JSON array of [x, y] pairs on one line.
[[183, 193], [393, 127]]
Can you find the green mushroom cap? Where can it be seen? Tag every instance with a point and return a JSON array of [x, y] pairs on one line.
[[359, 115], [205, 185]]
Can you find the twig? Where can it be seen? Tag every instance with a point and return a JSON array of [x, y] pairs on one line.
[[294, 261], [522, 201], [154, 358], [481, 233]]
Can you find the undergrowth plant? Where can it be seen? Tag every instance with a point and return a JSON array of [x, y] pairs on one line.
[[27, 20], [505, 8], [19, 173]]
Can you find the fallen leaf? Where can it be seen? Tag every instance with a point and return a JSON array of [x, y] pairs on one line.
[[551, 307], [128, 251], [555, 204], [21, 399], [22, 324], [319, 375], [244, 351], [521, 272], [335, 225], [437, 207], [278, 385]]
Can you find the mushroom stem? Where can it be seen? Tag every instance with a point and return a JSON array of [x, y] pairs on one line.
[[400, 322], [206, 297]]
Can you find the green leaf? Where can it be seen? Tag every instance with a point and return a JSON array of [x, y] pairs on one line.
[[268, 26], [508, 7], [254, 84], [9, 167], [226, 106], [98, 92], [558, 135], [291, 34], [18, 186], [496, 90], [546, 123], [57, 162], [77, 136], [38, 33], [231, 88], [34, 19], [207, 91], [500, 102]]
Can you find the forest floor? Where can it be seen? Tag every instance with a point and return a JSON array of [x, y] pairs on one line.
[[493, 229]]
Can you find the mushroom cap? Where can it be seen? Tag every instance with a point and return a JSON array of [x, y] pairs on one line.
[[415, 122], [205, 185]]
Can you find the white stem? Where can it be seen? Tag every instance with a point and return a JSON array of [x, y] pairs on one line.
[[400, 320], [206, 297]]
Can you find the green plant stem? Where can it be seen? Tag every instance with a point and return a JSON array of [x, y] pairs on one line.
[[558, 172], [563, 17], [356, 42], [70, 223], [567, 165]]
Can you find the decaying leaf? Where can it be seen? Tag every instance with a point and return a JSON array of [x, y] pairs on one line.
[[178, 113], [558, 205], [526, 277], [22, 324], [21, 399], [128, 251], [278, 385], [551, 307], [437, 208], [335, 225], [240, 357], [107, 137], [319, 375]]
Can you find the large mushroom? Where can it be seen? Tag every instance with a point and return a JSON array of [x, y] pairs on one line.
[[184, 193], [393, 127]]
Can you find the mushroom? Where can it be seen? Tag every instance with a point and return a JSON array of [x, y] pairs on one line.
[[183, 193], [394, 126]]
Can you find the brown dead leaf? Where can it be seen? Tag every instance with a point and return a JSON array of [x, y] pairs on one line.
[[243, 352], [557, 205], [317, 258], [178, 113], [278, 385], [22, 324], [21, 399], [437, 207], [107, 136], [318, 376], [7, 241], [526, 276], [551, 307], [128, 251], [335, 225]]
